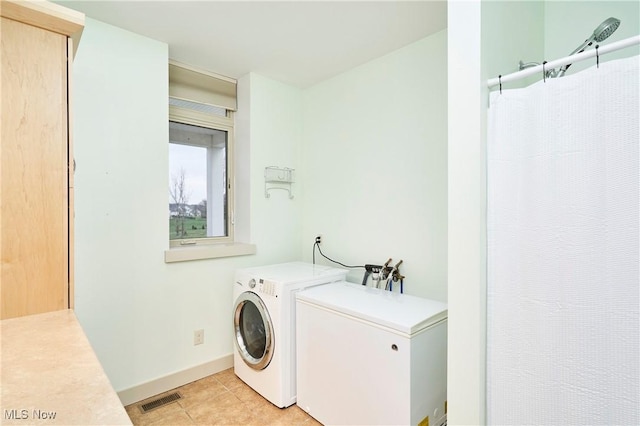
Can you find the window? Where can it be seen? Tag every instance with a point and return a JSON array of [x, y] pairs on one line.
[[198, 185], [200, 160]]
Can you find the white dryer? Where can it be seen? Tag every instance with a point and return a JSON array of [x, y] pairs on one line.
[[370, 356], [264, 325]]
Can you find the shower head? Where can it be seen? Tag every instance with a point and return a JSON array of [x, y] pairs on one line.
[[605, 29], [602, 32]]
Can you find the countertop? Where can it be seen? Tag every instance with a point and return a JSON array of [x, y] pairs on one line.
[[51, 375]]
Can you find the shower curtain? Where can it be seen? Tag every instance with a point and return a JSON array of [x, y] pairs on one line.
[[563, 284]]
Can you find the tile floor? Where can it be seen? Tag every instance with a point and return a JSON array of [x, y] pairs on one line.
[[220, 399]]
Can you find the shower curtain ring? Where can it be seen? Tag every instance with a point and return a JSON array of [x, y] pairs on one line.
[[597, 56], [544, 72], [500, 81]]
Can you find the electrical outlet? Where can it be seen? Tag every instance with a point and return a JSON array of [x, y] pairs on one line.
[[319, 239], [198, 337]]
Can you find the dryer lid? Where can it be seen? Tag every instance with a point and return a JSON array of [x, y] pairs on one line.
[[402, 312]]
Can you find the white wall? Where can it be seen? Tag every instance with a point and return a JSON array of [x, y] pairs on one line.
[[138, 312], [276, 137], [466, 220], [374, 168], [512, 31]]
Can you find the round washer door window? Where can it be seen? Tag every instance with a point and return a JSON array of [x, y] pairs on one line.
[[253, 331]]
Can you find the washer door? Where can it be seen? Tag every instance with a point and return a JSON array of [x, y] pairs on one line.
[[253, 330]]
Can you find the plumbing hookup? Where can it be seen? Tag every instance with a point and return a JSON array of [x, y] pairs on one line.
[[383, 276]]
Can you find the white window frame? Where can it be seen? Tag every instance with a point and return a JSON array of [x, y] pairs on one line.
[[195, 118]]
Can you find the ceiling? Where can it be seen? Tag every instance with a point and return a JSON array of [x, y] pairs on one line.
[[296, 42]]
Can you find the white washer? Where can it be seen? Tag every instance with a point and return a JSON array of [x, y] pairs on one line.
[[370, 356], [264, 325]]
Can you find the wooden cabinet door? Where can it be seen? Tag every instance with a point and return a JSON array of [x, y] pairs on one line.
[[34, 205]]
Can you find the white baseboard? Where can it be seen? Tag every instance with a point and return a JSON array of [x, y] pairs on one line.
[[172, 381]]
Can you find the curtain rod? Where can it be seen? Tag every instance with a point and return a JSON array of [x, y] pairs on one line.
[[631, 41]]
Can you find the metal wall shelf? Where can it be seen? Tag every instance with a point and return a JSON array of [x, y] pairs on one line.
[[278, 178]]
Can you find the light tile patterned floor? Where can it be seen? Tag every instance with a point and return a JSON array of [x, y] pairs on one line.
[[220, 399]]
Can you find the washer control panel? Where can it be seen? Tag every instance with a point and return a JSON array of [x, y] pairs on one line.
[[267, 287], [258, 285]]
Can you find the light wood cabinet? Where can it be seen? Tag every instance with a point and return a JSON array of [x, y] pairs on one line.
[[36, 191]]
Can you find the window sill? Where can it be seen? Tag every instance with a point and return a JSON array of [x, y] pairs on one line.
[[213, 251]]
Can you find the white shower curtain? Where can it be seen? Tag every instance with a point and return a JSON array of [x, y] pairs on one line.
[[563, 291]]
